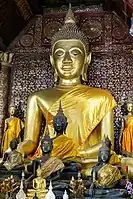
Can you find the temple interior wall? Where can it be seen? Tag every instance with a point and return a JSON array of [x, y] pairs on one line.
[[112, 62]]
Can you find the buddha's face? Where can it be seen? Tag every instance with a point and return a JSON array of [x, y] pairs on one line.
[[39, 172], [46, 146], [12, 111], [68, 58], [59, 125], [130, 107], [104, 156]]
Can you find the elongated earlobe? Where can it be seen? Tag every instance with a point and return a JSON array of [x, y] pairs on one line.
[[54, 70], [89, 59], [85, 67], [84, 73]]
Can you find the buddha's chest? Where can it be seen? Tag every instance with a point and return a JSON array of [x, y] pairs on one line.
[[47, 98]]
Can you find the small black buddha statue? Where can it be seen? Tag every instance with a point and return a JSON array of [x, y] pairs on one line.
[[104, 175], [14, 158], [50, 166], [64, 147]]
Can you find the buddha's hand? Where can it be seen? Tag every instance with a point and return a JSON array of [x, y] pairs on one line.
[[26, 147]]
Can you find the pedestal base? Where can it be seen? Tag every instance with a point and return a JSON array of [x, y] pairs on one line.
[[40, 194]]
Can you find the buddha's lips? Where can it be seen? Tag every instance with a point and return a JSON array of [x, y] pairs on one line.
[[67, 67]]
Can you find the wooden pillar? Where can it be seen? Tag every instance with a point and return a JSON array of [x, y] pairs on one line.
[[5, 59]]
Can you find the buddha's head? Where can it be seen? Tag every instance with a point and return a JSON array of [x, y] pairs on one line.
[[130, 105], [39, 172], [46, 144], [70, 51], [104, 153], [60, 121], [12, 110], [14, 144]]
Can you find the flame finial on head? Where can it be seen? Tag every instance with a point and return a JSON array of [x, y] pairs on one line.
[[60, 110], [106, 144], [104, 147], [60, 114], [70, 16]]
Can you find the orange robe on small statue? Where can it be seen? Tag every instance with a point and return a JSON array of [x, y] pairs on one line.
[[127, 140], [14, 126]]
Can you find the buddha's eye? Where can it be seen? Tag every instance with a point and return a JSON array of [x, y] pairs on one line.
[[75, 52], [59, 53]]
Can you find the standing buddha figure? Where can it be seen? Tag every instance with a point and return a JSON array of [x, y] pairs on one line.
[[12, 128], [126, 136], [89, 110], [126, 140]]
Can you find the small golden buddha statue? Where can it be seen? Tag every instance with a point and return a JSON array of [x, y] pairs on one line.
[[39, 186], [77, 188], [39, 183], [12, 128], [89, 111]]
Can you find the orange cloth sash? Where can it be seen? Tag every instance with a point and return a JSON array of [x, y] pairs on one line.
[[127, 140]]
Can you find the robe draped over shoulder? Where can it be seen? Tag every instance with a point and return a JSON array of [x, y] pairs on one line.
[[84, 107], [108, 175]]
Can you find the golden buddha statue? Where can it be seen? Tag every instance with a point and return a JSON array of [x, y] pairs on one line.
[[126, 136], [12, 128], [39, 185], [89, 111], [77, 188], [126, 140]]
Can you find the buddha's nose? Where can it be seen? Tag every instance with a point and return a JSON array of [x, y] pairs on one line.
[[67, 58]]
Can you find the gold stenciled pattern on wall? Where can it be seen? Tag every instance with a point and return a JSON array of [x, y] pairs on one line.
[[119, 31], [32, 74], [111, 66]]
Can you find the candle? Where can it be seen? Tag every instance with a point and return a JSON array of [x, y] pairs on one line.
[[127, 169]]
